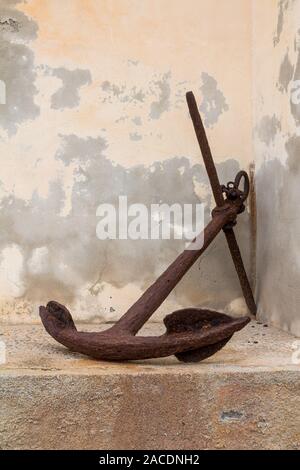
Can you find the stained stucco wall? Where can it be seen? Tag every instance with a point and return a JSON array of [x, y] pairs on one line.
[[277, 152], [96, 108]]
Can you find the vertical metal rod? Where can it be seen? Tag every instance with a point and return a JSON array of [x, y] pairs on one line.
[[218, 195], [240, 269], [205, 149]]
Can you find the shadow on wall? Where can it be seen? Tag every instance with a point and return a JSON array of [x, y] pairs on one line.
[[61, 253], [278, 243], [277, 183]]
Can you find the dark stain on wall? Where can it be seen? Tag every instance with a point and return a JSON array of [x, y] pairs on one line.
[[213, 102], [75, 256], [163, 103], [9, 24], [268, 128], [295, 106], [279, 228], [121, 93], [286, 73], [72, 80], [17, 67], [289, 79], [292, 146], [282, 8]]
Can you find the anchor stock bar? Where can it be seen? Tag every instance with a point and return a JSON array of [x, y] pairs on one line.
[[218, 195]]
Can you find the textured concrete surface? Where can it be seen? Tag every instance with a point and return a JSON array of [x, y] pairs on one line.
[[276, 112], [246, 396]]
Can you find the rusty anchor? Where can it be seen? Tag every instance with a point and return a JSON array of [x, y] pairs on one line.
[[192, 334]]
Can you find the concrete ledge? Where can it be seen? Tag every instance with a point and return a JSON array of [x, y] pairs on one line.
[[245, 397]]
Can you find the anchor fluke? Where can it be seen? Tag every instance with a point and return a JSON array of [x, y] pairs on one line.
[[195, 319]]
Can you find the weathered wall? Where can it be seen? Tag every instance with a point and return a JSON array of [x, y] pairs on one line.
[[276, 51], [96, 108]]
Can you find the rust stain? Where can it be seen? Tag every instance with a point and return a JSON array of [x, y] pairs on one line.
[[253, 222]]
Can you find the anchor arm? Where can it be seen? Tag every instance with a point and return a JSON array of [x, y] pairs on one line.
[[111, 345], [153, 297]]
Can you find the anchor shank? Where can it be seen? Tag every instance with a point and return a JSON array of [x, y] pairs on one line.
[[154, 296]]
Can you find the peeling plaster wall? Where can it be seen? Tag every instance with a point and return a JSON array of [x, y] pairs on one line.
[[96, 108], [276, 66]]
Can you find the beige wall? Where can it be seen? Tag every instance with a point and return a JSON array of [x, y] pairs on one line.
[[276, 50], [96, 108]]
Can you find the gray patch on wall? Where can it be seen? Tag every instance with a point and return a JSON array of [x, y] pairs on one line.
[[121, 93], [112, 88], [213, 102], [137, 120], [9, 24], [278, 240], [268, 128], [16, 67], [76, 256], [68, 95], [231, 416], [295, 107], [163, 103], [282, 7], [293, 150], [135, 136], [286, 73]]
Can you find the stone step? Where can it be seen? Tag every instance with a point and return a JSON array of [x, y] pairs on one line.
[[247, 396]]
